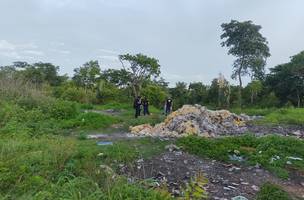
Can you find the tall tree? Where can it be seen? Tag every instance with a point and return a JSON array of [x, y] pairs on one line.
[[250, 48], [118, 77], [87, 75], [139, 68]]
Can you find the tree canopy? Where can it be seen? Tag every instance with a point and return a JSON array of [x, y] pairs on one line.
[[250, 48], [139, 68]]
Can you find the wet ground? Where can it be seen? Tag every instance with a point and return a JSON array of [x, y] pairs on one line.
[[175, 168]]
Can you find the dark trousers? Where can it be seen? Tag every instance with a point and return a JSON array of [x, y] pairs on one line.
[[137, 112], [168, 110], [146, 110]]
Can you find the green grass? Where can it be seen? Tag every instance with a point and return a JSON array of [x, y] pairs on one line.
[[254, 150], [275, 116], [272, 192], [253, 111], [90, 121], [126, 115], [125, 152], [293, 116], [56, 167], [56, 118]]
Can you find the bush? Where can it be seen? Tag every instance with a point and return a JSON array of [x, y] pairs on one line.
[[155, 94], [60, 109]]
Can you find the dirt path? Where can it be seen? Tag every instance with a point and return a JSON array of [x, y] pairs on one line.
[[225, 180]]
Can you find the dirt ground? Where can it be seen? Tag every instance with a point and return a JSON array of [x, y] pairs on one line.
[[226, 181]]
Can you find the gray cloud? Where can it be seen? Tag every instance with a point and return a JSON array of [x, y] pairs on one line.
[[183, 35]]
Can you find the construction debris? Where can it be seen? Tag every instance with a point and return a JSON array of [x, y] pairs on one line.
[[195, 120]]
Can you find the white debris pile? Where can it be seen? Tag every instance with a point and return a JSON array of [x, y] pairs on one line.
[[195, 120]]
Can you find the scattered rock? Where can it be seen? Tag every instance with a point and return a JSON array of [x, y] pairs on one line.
[[297, 133], [289, 163], [255, 188], [100, 154], [172, 147]]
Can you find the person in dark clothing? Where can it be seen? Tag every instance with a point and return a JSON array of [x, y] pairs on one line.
[[146, 106], [137, 106], [168, 106]]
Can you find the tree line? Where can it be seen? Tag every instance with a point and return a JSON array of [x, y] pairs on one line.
[[141, 75]]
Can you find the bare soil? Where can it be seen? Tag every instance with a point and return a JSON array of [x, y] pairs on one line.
[[176, 168]]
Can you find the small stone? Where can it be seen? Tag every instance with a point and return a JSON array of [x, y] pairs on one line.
[[176, 192], [244, 183], [289, 163], [237, 152], [255, 188], [172, 147], [297, 133]]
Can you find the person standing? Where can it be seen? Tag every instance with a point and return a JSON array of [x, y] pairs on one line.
[[169, 105], [137, 106], [146, 106]]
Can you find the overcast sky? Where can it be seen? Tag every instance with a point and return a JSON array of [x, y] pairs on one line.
[[184, 35]]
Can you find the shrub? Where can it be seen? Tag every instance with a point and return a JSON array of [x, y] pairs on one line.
[[60, 109], [155, 94]]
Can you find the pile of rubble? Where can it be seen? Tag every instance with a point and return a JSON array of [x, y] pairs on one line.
[[195, 120]]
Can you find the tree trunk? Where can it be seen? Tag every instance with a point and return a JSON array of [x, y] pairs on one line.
[[240, 87], [299, 99], [134, 90]]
